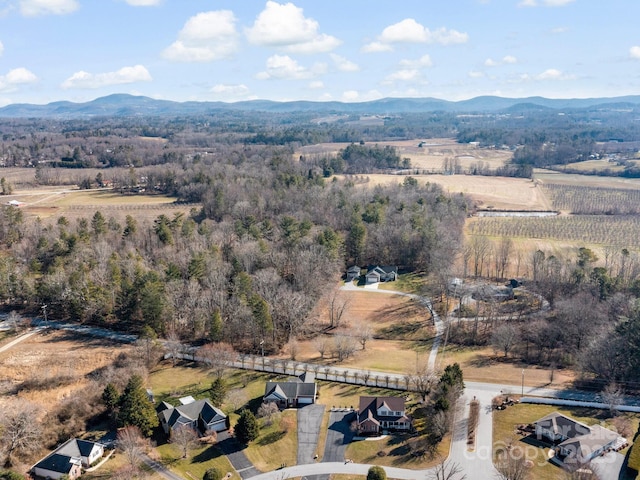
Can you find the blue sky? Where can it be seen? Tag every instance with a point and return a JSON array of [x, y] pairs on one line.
[[347, 50]]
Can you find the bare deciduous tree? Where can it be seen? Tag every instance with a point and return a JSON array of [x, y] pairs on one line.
[[363, 333], [131, 442], [219, 356], [269, 411], [185, 438], [447, 470], [20, 432], [512, 465], [321, 344], [613, 396], [504, 338], [338, 306], [343, 346]]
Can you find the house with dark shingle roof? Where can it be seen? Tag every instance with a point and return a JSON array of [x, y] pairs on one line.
[[68, 459], [376, 414], [302, 391], [56, 465], [576, 443], [200, 415], [386, 273]]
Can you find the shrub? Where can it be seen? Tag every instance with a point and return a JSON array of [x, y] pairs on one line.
[[212, 474], [376, 473]]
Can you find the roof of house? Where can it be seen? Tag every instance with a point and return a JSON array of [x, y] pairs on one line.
[[383, 269], [354, 269], [369, 406], [77, 448], [290, 390], [597, 438], [57, 462], [395, 404], [562, 425], [163, 406], [191, 412]]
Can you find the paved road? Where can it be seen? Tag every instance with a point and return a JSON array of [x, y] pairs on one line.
[[309, 425], [233, 450]]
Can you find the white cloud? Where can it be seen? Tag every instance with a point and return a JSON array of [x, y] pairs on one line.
[[356, 96], [31, 8], [284, 25], [227, 92], [125, 75], [553, 74], [634, 52], [410, 31], [558, 30], [316, 84], [284, 67], [544, 3], [404, 76], [476, 74], [343, 64], [422, 62], [143, 3], [205, 37], [15, 78], [506, 60], [1, 48], [375, 47]]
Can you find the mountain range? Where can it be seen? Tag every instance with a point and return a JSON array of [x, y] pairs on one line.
[[129, 105]]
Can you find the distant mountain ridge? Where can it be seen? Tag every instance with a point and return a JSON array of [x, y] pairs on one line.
[[125, 105]]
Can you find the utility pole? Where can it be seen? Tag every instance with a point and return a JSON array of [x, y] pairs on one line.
[[262, 347]]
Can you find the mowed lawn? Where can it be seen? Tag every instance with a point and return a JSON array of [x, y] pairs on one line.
[[506, 421]]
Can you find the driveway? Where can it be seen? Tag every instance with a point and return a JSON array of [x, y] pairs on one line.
[[339, 435], [233, 450], [309, 423]]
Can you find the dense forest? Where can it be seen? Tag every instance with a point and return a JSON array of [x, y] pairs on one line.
[[270, 239], [271, 233]]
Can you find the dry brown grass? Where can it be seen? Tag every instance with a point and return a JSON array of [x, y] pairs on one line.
[[428, 157], [56, 360]]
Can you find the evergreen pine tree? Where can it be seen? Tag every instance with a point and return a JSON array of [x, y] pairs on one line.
[[135, 407], [247, 428]]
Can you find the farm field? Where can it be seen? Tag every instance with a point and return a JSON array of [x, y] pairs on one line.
[[428, 157], [500, 193]]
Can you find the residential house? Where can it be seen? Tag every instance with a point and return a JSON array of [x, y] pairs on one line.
[[302, 391], [381, 274], [376, 414], [353, 273], [576, 443], [69, 459], [56, 465], [200, 415]]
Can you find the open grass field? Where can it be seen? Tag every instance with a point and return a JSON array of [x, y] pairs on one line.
[[47, 202], [428, 157], [499, 193], [594, 165], [504, 432], [57, 359], [482, 364]]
